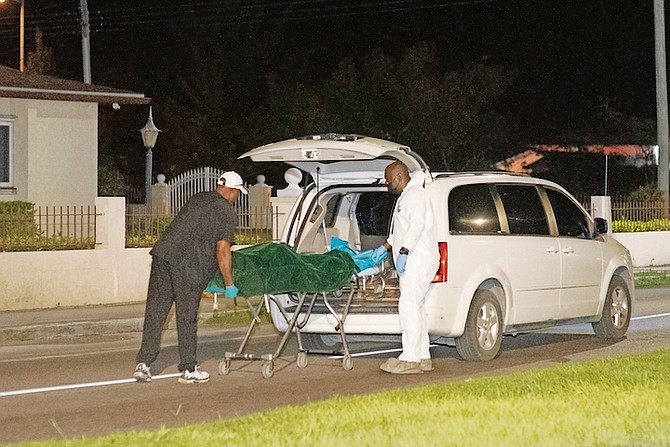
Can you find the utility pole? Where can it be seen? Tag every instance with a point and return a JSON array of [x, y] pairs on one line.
[[22, 36], [85, 41], [661, 100]]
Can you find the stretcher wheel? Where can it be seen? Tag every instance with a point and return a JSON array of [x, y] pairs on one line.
[[347, 363], [224, 367], [301, 360], [268, 369], [379, 290]]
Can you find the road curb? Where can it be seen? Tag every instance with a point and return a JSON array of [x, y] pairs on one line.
[[70, 329]]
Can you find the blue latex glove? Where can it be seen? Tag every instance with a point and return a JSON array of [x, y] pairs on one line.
[[379, 254], [401, 263], [231, 291]]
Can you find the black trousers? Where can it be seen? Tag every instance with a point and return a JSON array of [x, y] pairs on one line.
[[168, 285]]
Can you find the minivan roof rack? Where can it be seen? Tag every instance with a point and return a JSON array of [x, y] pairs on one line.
[[482, 173]]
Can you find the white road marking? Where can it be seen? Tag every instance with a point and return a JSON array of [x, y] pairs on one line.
[[371, 353], [82, 385], [646, 317]]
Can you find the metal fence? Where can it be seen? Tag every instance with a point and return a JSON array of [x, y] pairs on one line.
[[48, 228], [260, 224], [135, 195], [189, 183], [639, 211], [643, 211], [183, 187]]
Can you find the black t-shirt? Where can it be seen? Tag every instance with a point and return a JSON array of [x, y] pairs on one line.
[[189, 243]]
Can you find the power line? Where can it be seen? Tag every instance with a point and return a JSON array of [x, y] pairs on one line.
[[205, 15]]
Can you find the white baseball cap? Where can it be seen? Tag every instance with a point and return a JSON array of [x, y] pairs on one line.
[[232, 179]]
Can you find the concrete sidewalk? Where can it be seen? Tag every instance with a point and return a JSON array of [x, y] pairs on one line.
[[42, 324]]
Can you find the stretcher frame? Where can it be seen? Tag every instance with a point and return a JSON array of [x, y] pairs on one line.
[[306, 301]]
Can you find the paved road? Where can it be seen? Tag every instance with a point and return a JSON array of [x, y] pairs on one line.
[[37, 400]]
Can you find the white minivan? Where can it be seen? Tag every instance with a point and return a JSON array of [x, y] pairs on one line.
[[517, 253]]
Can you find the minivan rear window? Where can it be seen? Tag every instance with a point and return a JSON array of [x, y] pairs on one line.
[[472, 210]]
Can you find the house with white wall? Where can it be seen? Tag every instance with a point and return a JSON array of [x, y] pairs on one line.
[[49, 137], [49, 156]]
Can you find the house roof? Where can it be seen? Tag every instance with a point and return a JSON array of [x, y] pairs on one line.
[[17, 84]]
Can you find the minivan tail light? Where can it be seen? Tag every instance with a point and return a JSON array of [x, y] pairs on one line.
[[441, 275]]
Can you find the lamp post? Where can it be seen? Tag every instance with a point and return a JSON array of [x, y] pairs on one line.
[[21, 33], [149, 135]]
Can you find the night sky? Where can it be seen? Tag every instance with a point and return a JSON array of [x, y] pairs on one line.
[[571, 55]]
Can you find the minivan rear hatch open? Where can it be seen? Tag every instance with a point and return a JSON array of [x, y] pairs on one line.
[[338, 157]]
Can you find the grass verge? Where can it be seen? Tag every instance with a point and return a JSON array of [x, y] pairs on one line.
[[652, 278], [620, 401]]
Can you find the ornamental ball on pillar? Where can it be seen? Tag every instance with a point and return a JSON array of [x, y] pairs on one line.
[[293, 176]]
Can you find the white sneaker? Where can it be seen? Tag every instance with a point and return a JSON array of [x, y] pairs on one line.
[[195, 376], [142, 372]]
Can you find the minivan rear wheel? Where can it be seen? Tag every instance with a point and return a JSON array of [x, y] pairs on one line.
[[615, 318], [482, 336]]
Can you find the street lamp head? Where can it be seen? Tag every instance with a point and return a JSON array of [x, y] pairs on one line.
[[150, 132]]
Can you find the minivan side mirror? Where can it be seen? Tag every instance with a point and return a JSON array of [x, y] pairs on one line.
[[601, 226]]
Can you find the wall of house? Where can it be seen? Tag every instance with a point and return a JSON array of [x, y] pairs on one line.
[[55, 151], [109, 274]]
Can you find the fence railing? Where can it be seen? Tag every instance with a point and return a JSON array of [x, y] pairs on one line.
[[639, 211], [184, 186], [254, 226], [634, 211], [48, 228]]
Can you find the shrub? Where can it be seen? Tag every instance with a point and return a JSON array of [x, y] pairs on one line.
[[630, 226], [646, 193], [17, 219]]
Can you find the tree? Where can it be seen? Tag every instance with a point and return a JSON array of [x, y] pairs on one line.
[[40, 61], [447, 118], [110, 181]]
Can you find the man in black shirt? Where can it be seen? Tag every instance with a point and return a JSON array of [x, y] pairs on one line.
[[184, 259]]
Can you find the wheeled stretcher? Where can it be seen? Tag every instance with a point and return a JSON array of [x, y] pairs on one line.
[[270, 269], [295, 321]]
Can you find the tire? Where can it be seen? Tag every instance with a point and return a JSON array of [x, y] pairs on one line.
[[482, 337], [268, 369], [321, 342], [615, 318], [301, 360]]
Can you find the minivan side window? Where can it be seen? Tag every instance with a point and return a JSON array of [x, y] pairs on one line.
[[524, 210], [570, 219], [332, 208], [472, 210], [373, 212]]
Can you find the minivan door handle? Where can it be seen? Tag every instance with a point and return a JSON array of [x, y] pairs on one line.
[[568, 250], [552, 249]]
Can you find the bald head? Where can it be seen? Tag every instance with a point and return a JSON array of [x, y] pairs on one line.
[[396, 176]]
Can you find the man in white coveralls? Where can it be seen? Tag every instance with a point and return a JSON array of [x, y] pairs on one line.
[[413, 240]]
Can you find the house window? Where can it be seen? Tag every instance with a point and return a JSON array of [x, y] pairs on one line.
[[5, 154]]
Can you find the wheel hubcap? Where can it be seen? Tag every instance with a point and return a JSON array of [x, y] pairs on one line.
[[619, 307], [487, 326]]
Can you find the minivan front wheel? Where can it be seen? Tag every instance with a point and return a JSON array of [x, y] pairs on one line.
[[482, 336], [615, 318]]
